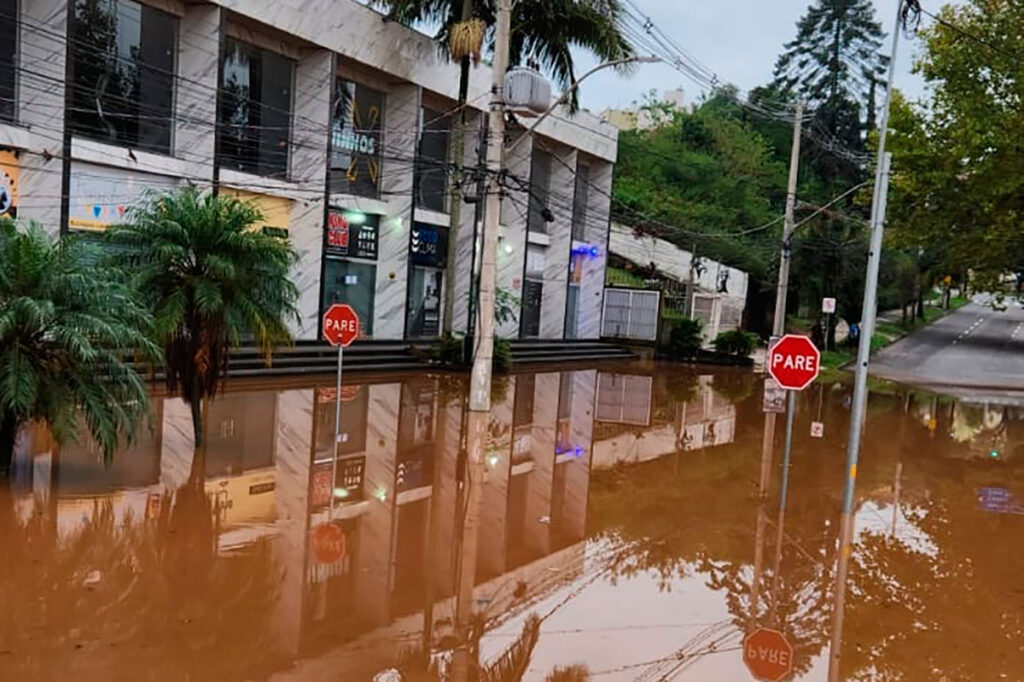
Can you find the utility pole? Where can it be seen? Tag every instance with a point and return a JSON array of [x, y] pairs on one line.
[[480, 379], [860, 385], [692, 286], [778, 329]]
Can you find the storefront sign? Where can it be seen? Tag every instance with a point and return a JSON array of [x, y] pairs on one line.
[[429, 245], [276, 210], [8, 184], [351, 234], [100, 196]]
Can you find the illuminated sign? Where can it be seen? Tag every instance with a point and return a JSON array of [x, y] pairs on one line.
[[428, 245], [8, 184], [351, 234]]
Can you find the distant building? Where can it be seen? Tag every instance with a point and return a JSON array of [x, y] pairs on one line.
[[639, 118]]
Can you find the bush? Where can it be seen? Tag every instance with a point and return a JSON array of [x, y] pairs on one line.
[[735, 342], [502, 358], [685, 338], [448, 351]]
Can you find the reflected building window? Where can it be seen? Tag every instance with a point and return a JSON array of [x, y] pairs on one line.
[[432, 160], [8, 59]]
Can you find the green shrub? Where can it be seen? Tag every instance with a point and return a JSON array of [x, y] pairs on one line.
[[502, 358], [685, 338], [735, 342], [448, 351]]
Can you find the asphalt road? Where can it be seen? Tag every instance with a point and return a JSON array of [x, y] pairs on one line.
[[974, 352]]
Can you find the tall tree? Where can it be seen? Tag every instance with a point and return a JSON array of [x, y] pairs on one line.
[[211, 279], [66, 328], [544, 31], [834, 61]]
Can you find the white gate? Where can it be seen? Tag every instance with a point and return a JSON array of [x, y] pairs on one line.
[[631, 314]]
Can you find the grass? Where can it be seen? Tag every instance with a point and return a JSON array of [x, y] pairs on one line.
[[622, 278]]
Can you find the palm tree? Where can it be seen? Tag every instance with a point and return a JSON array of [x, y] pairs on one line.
[[66, 330], [543, 31], [211, 280]]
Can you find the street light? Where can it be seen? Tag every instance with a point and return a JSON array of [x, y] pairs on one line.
[[575, 84]]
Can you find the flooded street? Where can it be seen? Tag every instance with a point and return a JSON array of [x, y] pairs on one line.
[[616, 525]]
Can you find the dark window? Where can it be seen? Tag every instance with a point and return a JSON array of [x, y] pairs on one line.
[[579, 202], [356, 123], [255, 112], [540, 187], [123, 61], [432, 160], [8, 55]]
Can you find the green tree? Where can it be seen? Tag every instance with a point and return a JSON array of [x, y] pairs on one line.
[[212, 281], [834, 61], [66, 330], [544, 31], [958, 171]]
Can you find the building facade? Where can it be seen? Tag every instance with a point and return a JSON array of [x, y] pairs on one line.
[[335, 122]]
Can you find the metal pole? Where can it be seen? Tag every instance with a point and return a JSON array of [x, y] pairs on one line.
[[480, 379], [863, 354], [337, 430], [780, 526]]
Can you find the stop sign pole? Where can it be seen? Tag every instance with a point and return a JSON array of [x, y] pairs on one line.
[[341, 327]]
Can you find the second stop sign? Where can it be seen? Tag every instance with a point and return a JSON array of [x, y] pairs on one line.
[[794, 362]]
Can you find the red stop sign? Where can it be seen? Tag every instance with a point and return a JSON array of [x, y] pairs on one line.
[[794, 362], [328, 543], [341, 325], [768, 655]]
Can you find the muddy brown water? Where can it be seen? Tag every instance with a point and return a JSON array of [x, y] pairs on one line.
[[618, 507]]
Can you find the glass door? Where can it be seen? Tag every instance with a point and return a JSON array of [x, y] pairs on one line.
[[426, 288]]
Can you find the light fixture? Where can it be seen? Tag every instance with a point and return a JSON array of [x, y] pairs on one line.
[[341, 492], [508, 249], [382, 494], [493, 461], [355, 217]]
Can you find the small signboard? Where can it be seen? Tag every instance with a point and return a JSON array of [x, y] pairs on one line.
[[351, 234], [817, 430], [828, 305], [774, 397], [428, 245]]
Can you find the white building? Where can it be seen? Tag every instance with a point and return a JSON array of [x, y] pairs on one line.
[[333, 120]]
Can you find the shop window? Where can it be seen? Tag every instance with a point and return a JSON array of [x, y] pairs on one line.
[[255, 111], [352, 283], [123, 56], [356, 123], [432, 160], [8, 57], [540, 189], [579, 202]]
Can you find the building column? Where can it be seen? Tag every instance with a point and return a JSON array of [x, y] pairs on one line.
[[469, 230], [556, 256], [43, 50], [512, 237], [314, 76], [577, 477], [596, 232], [492, 556], [195, 106], [401, 134], [537, 526]]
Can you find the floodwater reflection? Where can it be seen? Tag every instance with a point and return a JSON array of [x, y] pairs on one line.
[[612, 524]]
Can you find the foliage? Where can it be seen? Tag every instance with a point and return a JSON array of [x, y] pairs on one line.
[[735, 342], [685, 338], [569, 673], [957, 167], [501, 360], [545, 31], [210, 279], [449, 350], [834, 62], [66, 330], [506, 306]]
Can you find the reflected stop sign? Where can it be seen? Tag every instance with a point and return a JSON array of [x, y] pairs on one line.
[[768, 655], [794, 362], [341, 325]]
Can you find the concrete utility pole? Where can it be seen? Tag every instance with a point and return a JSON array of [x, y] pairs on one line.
[[860, 386], [778, 329]]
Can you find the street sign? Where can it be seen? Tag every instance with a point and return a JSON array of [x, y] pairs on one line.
[[328, 543], [817, 430], [794, 362], [768, 655], [774, 400], [828, 305], [341, 325]]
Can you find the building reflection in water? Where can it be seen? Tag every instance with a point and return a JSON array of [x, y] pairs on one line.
[[619, 501]]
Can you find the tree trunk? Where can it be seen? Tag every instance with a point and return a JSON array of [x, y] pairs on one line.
[[196, 404], [8, 436]]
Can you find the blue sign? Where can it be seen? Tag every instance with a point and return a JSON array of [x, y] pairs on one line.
[[428, 245], [999, 500]]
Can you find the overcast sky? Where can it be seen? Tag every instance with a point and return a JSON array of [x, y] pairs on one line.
[[738, 39]]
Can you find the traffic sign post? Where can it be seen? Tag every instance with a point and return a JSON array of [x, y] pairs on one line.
[[828, 306], [341, 327], [768, 655]]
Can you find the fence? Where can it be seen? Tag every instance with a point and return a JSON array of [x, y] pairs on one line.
[[631, 314]]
